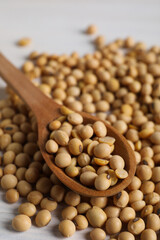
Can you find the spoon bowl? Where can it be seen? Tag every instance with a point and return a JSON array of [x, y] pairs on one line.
[[46, 110]]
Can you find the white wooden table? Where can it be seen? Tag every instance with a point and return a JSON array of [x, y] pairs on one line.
[[57, 27]]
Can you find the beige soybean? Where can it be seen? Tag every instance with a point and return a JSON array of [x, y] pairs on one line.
[[63, 160], [8, 181], [146, 151], [11, 129], [109, 140], [54, 125], [42, 218], [65, 111], [19, 118], [97, 234], [87, 168], [12, 196], [57, 192], [21, 223], [127, 214], [144, 172], [135, 195], [121, 199], [15, 147], [8, 157], [99, 201], [90, 146], [32, 175], [22, 160], [100, 161], [132, 135], [99, 129], [148, 161], [86, 142], [69, 213], [152, 198], [138, 205], [46, 170], [5, 141], [136, 226], [75, 146], [126, 236], [72, 198], [43, 185], [8, 112], [148, 234], [121, 126], [26, 127], [103, 169], [30, 148], [61, 137], [24, 42], [48, 204], [67, 228], [102, 150], [80, 222], [32, 137], [10, 169], [153, 222], [51, 146], [88, 178], [121, 173], [37, 165], [62, 149], [4, 123], [83, 159], [102, 181], [27, 208], [113, 225], [92, 29], [147, 187], [34, 197], [67, 129], [112, 211], [38, 157], [24, 188], [116, 162], [83, 207], [155, 138], [137, 156], [86, 132], [147, 210], [75, 118], [156, 174], [20, 173], [96, 217], [72, 171]]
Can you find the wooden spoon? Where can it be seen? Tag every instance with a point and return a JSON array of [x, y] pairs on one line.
[[46, 110]]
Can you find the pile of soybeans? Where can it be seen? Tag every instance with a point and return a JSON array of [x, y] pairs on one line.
[[119, 83]]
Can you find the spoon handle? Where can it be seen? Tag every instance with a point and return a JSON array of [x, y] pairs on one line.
[[31, 95]]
